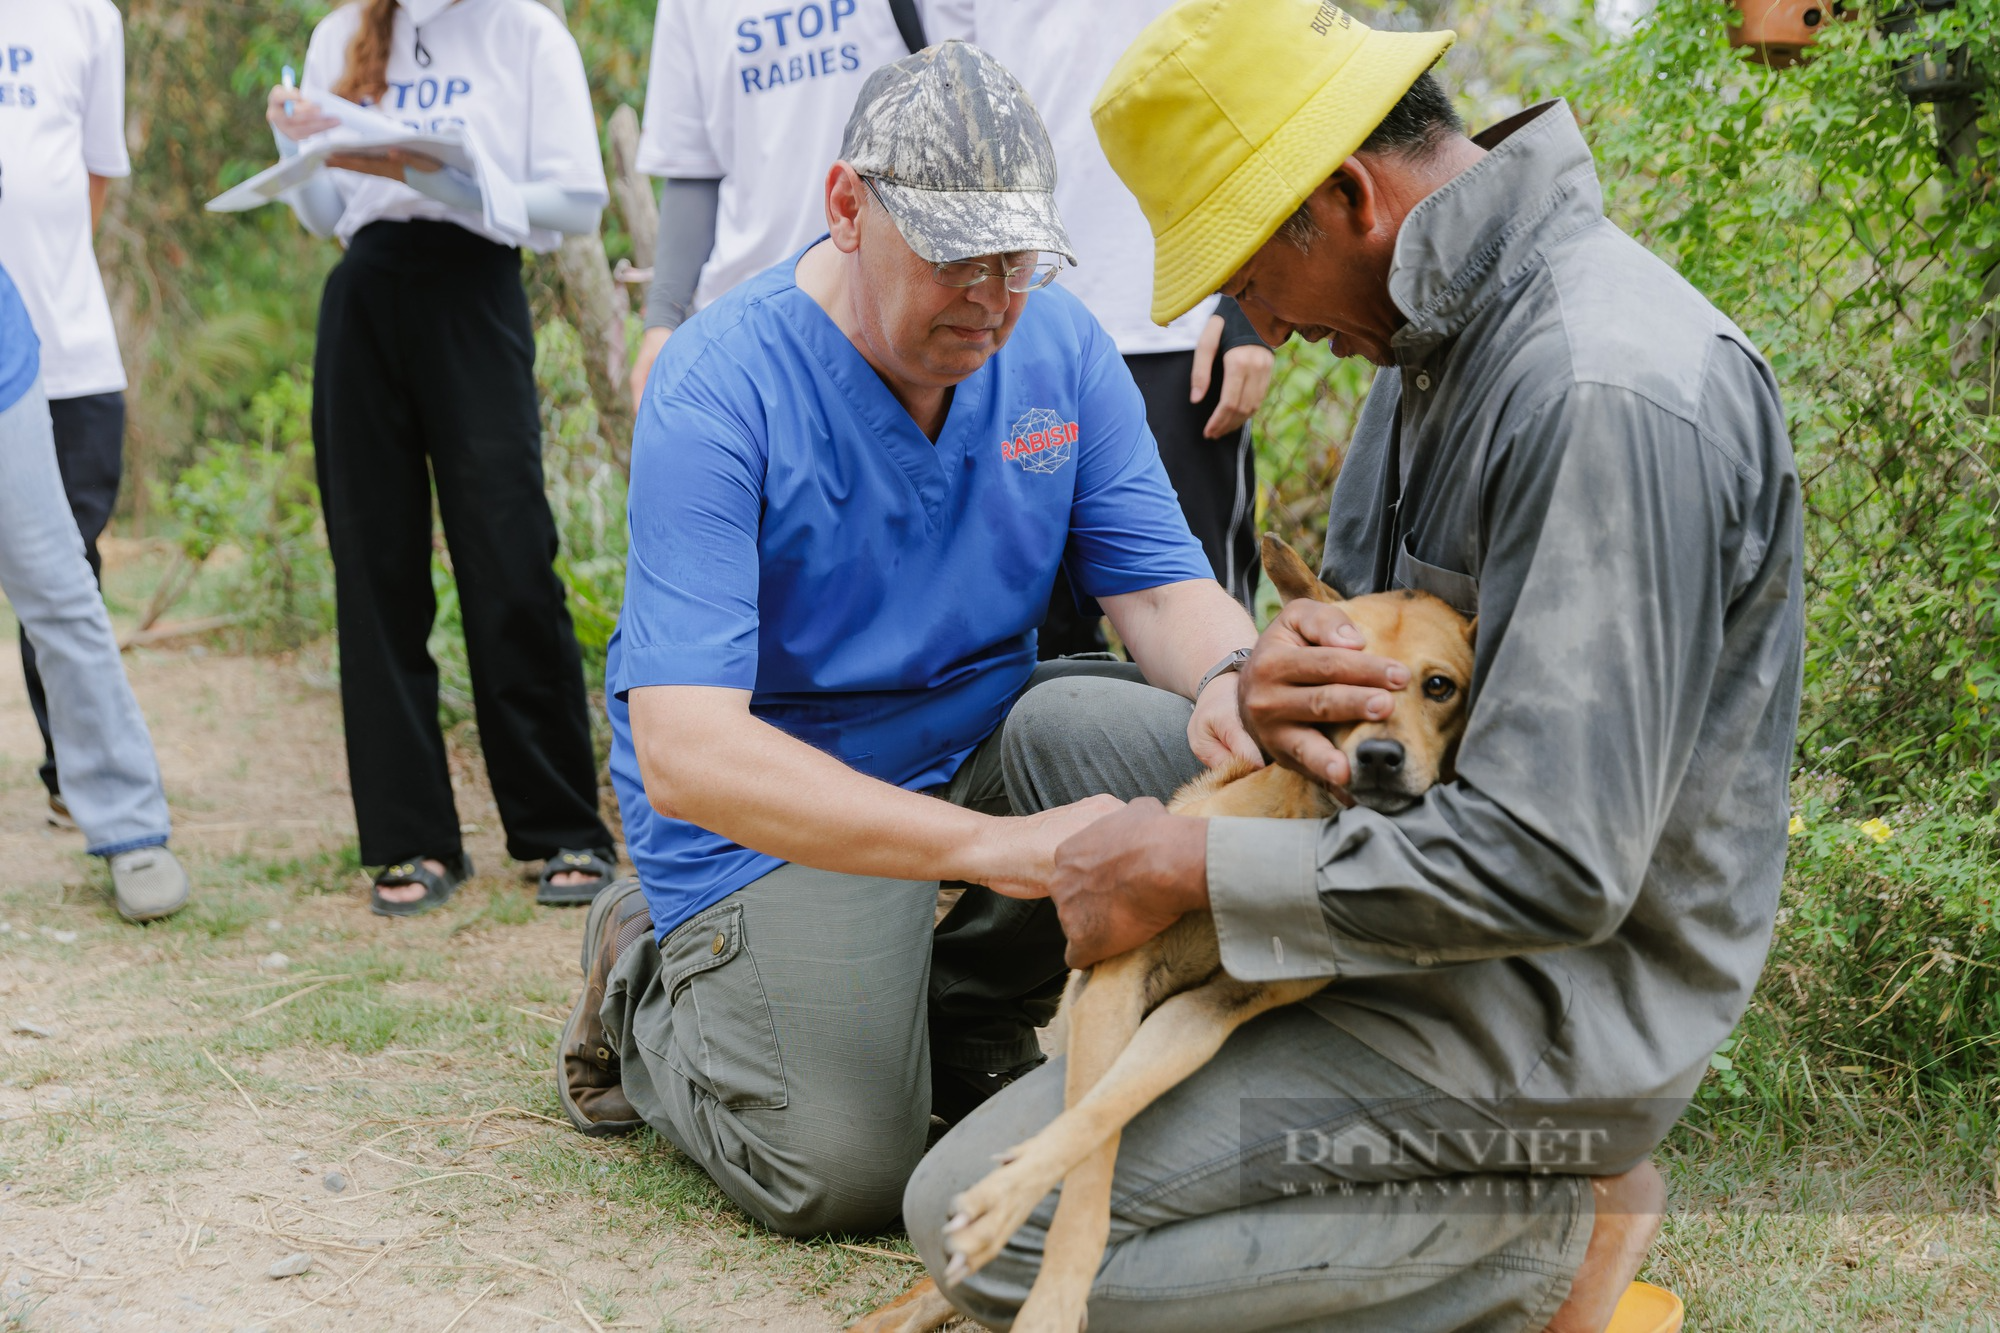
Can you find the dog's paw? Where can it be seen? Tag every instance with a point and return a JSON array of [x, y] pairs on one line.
[[986, 1216], [921, 1309]]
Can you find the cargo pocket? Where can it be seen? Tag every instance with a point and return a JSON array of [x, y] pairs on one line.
[[721, 1037], [1458, 591]]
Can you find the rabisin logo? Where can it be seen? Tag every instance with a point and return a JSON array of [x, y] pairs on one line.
[[1040, 441], [1330, 17]]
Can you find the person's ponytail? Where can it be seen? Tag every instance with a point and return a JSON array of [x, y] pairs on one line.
[[366, 77]]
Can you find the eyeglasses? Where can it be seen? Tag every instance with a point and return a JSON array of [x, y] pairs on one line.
[[1033, 274], [1019, 278]]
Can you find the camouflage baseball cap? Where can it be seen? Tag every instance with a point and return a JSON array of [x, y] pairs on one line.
[[957, 155]]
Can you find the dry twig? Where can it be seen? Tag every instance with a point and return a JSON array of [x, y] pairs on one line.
[[281, 1003], [139, 638], [468, 1309], [507, 1259], [425, 1180], [224, 1071], [298, 980]]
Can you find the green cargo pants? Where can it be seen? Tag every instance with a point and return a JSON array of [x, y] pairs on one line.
[[784, 1037]]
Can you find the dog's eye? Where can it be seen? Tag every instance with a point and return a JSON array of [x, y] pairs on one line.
[[1439, 688]]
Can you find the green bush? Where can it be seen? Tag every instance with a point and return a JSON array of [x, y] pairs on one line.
[[1301, 434], [250, 514], [1884, 963], [1814, 206]]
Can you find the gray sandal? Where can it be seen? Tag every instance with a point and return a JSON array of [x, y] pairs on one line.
[[600, 864], [437, 888]]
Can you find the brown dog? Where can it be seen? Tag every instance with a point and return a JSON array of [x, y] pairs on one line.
[[1140, 1023]]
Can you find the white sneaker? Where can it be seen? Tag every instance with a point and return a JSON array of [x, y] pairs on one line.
[[148, 884]]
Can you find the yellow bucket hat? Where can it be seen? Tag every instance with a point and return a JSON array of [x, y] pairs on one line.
[[1226, 114]]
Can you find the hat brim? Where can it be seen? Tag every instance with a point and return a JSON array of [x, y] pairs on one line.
[[1203, 249], [947, 225]]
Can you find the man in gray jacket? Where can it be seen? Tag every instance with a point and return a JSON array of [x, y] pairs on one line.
[[1569, 441]]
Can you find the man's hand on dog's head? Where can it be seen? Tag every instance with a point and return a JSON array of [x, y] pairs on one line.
[[1126, 878], [1308, 671]]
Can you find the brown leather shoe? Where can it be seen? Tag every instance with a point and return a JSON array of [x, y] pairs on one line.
[[587, 1078]]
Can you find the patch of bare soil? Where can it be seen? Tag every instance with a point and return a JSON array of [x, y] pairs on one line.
[[274, 1073]]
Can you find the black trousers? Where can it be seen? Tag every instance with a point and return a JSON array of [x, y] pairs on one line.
[[90, 451], [1216, 481], [425, 369]]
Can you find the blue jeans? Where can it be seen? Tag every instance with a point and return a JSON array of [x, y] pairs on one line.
[[109, 775], [90, 454]]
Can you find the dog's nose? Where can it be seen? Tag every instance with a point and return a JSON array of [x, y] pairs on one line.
[[1379, 760]]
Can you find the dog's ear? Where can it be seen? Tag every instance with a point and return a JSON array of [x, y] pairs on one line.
[[1290, 574], [1472, 632]]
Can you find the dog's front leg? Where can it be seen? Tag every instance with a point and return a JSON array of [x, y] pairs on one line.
[[1074, 1246], [1075, 1243], [1102, 1017], [1176, 1039]]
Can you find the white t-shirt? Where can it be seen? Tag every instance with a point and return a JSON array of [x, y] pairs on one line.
[[757, 94], [62, 120], [1062, 51], [506, 71]]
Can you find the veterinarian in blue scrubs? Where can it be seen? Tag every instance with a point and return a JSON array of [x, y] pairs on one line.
[[855, 480]]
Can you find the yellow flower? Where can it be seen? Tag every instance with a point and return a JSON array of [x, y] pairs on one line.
[[1878, 830], [1797, 826]]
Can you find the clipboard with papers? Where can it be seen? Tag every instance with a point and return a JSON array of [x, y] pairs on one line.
[[365, 133]]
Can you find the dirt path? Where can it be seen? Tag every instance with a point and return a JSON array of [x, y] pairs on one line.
[[197, 1098]]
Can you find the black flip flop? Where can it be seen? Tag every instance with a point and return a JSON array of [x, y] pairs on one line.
[[597, 863], [437, 888]]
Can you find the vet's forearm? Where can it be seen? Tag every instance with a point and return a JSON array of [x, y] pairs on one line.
[[1177, 631], [707, 760]]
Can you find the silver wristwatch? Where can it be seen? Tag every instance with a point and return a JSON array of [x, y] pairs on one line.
[[1233, 662]]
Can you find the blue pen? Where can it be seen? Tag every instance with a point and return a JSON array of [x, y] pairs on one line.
[[288, 78]]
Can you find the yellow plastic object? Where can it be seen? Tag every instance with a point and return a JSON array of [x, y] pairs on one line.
[[1645, 1308]]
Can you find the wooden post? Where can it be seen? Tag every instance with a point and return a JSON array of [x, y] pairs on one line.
[[632, 188], [599, 307]]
